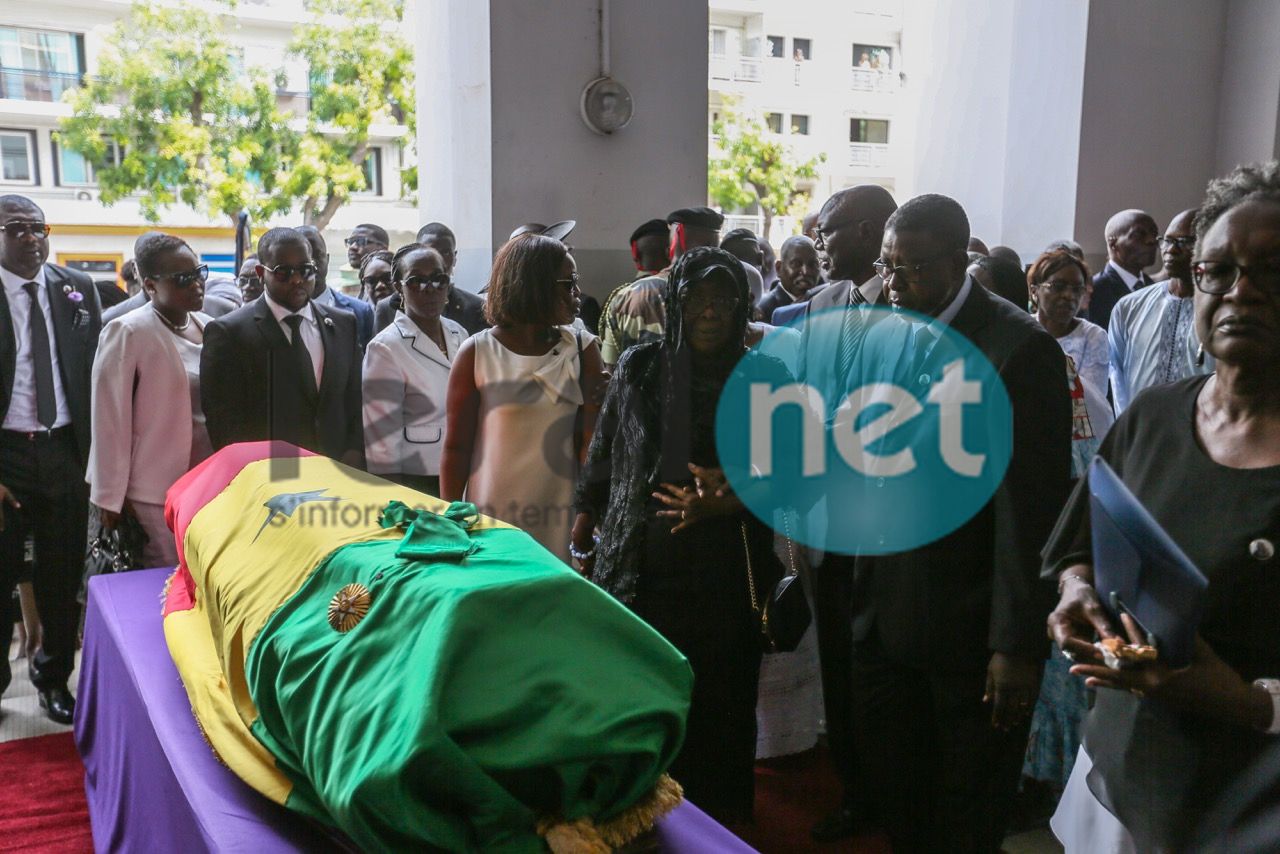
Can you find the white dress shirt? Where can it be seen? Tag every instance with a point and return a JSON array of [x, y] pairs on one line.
[[21, 415], [326, 298], [310, 332]]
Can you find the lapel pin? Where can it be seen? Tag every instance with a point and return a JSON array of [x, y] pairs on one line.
[[328, 321], [72, 294]]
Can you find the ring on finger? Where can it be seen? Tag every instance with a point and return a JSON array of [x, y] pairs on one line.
[[1069, 655]]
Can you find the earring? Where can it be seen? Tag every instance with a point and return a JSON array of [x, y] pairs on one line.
[[1200, 356]]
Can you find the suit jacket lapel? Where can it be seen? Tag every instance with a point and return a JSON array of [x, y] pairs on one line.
[[62, 311], [420, 343], [269, 326], [974, 312], [8, 352], [334, 355]]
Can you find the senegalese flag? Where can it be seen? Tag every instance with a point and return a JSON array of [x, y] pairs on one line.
[[408, 670]]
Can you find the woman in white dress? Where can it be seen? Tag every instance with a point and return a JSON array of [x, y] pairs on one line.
[[521, 403], [148, 425], [406, 375]]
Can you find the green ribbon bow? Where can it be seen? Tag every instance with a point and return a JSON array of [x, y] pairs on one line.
[[433, 536]]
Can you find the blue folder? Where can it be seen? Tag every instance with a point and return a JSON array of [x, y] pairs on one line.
[[1138, 568]]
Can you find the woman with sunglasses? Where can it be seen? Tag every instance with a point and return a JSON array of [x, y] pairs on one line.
[[521, 404], [375, 276], [148, 425], [406, 375]]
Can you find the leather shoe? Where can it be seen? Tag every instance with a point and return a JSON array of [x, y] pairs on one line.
[[58, 704], [838, 824]]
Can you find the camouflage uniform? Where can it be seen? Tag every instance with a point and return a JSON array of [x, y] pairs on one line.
[[633, 314]]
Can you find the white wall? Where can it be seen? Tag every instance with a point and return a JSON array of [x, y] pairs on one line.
[[1249, 115]]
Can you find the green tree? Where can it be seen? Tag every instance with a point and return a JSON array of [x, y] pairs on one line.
[[188, 125], [748, 165], [361, 75]]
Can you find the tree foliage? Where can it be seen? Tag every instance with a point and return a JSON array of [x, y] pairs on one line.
[[189, 127], [749, 165], [361, 75]]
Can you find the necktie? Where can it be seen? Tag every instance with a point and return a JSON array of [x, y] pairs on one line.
[[300, 353], [42, 361], [850, 333], [921, 345]]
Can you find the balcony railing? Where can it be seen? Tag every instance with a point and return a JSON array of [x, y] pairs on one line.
[[23, 84], [744, 69], [874, 80], [872, 154]]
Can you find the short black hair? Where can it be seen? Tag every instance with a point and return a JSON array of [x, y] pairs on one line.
[[378, 232], [398, 260], [936, 214], [1254, 182], [436, 229], [380, 255], [148, 248], [1007, 278], [274, 237], [736, 235], [13, 200]]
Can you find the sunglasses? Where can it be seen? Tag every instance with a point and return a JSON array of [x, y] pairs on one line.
[[17, 229], [361, 242], [569, 284], [287, 271], [186, 278], [423, 283], [248, 280]]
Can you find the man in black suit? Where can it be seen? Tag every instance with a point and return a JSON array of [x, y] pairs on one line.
[[49, 322], [462, 306], [283, 367], [327, 296], [1132, 238], [798, 273], [848, 230], [948, 637]]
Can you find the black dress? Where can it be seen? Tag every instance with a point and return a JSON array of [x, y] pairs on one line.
[[1158, 769]]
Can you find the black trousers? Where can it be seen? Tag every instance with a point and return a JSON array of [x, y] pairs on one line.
[[830, 589], [46, 476], [938, 775]]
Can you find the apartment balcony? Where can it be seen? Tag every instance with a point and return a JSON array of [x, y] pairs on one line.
[[21, 84], [297, 103], [739, 69], [874, 80], [868, 154]]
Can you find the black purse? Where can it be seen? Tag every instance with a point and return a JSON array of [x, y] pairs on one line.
[[784, 616], [117, 550]]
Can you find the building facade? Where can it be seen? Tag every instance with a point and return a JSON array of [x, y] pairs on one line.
[[47, 48], [827, 77]]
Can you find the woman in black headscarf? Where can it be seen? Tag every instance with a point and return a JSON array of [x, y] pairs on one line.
[[675, 545]]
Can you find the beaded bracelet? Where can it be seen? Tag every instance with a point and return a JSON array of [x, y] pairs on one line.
[[583, 556]]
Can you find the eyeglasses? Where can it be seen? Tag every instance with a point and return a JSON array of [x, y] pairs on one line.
[[361, 242], [1179, 242], [1218, 277], [17, 228], [438, 282], [370, 281], [187, 278], [698, 304], [822, 235], [1059, 288], [910, 272], [244, 281], [287, 271], [570, 284]]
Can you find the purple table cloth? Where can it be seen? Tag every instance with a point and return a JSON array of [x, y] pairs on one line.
[[153, 783]]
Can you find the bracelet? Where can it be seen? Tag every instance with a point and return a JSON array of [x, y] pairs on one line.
[[587, 555], [1067, 576], [1272, 687]]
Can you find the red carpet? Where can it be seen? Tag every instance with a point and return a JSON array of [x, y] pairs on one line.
[[42, 805], [793, 793]]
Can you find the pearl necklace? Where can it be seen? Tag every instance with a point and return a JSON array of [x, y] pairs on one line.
[[172, 326]]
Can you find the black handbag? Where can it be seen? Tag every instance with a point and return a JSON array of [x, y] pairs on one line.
[[784, 616], [117, 550]]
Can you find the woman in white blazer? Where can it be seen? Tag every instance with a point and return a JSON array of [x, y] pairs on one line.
[[406, 375], [148, 427]]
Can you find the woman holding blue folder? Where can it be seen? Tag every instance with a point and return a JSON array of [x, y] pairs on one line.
[[1203, 456]]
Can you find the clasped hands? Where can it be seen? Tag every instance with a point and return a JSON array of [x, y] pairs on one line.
[[709, 496]]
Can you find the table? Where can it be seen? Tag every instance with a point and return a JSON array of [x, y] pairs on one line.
[[153, 783]]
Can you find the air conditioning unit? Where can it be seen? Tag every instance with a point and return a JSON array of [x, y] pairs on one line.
[[86, 195]]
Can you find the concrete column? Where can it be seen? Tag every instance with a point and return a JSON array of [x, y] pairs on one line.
[[501, 141]]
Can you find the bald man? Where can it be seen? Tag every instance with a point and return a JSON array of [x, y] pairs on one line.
[[1152, 337], [1132, 237]]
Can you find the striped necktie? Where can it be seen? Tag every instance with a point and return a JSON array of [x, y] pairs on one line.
[[851, 332]]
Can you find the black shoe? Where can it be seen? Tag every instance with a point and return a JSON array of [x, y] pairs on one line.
[[839, 824], [58, 704]]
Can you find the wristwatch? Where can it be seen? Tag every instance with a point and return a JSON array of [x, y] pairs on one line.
[[1272, 687]]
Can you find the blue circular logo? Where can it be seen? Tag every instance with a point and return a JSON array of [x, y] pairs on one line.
[[885, 432]]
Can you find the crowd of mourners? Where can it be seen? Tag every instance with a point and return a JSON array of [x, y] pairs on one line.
[[956, 696]]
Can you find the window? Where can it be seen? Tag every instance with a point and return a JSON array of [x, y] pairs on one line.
[[799, 124], [719, 42], [373, 173], [869, 130], [39, 65], [802, 49], [777, 46], [872, 56], [18, 156], [72, 169], [774, 122]]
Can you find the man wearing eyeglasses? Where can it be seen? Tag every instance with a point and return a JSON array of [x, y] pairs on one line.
[[327, 296], [284, 367], [365, 239], [1132, 238], [1152, 336], [49, 322]]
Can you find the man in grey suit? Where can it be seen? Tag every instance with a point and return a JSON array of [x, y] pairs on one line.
[[49, 322]]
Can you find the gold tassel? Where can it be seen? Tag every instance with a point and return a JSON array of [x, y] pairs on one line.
[[586, 837]]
